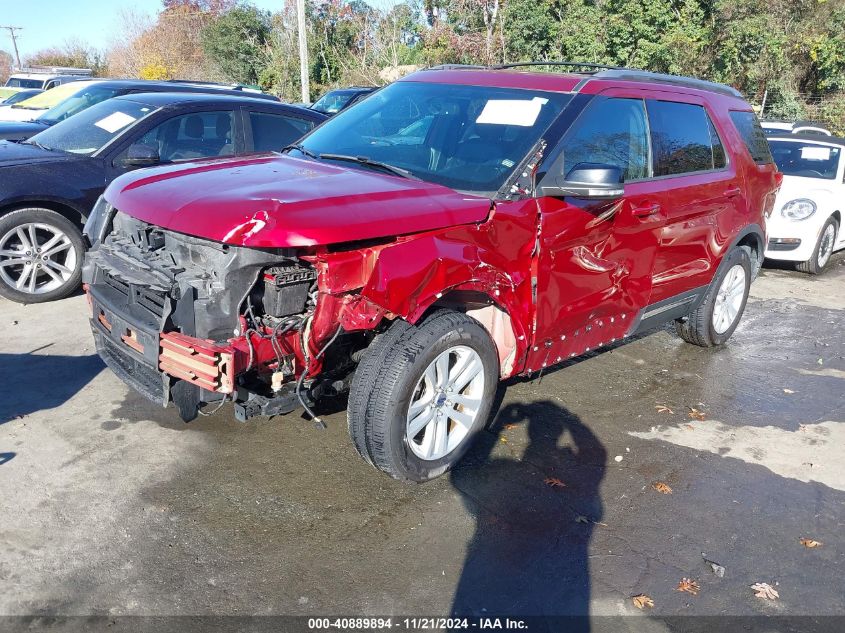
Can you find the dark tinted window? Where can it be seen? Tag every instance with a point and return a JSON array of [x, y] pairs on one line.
[[273, 132], [680, 138], [719, 160], [613, 132], [753, 136]]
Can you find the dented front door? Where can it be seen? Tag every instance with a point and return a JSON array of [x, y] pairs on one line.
[[595, 258]]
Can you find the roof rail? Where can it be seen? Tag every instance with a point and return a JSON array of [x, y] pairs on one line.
[[604, 71], [565, 64], [627, 74], [53, 70]]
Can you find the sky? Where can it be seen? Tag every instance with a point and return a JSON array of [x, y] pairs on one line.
[[48, 23]]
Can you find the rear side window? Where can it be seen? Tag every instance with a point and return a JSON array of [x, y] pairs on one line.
[[683, 139], [753, 136], [613, 132]]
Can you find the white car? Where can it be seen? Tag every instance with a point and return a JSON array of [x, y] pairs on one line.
[[807, 216], [794, 127], [29, 109]]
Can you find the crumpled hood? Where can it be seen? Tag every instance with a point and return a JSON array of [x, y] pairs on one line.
[[280, 201]]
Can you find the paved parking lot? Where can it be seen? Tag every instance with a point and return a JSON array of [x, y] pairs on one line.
[[113, 506]]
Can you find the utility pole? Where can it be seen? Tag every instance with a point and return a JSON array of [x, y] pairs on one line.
[[12, 30], [303, 52]]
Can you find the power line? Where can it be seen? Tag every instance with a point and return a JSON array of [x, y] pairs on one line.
[[12, 30]]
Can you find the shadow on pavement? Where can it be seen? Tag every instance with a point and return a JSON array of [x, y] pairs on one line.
[[35, 382], [535, 515]]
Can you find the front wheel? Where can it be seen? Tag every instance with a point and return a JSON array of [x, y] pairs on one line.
[[419, 399], [40, 255], [715, 320], [824, 249]]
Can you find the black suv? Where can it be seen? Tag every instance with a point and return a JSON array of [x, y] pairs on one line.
[[98, 91], [50, 182]]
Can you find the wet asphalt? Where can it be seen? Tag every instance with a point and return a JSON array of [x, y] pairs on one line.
[[113, 506]]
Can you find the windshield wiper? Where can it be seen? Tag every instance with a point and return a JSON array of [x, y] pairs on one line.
[[31, 141], [301, 148], [363, 160]]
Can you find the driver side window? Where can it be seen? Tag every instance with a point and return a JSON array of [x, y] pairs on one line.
[[611, 131], [192, 136]]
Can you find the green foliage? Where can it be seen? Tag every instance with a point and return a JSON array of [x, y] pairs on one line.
[[237, 42], [793, 51]]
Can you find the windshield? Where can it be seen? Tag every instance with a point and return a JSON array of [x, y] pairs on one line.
[[53, 96], [20, 96], [19, 82], [90, 130], [77, 102], [468, 138], [807, 160]]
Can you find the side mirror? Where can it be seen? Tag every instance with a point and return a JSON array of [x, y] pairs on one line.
[[140, 155], [594, 181]]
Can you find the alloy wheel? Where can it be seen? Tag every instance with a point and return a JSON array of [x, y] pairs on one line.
[[826, 245], [36, 258], [729, 299], [445, 403]]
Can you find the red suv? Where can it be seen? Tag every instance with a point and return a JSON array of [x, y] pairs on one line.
[[458, 227]]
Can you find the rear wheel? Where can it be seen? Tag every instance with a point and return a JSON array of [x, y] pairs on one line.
[[40, 255], [715, 320], [824, 249], [416, 417]]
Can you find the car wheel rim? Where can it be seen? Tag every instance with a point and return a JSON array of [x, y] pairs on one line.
[[826, 245], [445, 403], [36, 258], [729, 299]]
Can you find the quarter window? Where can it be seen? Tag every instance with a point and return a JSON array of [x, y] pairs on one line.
[[683, 139], [753, 136], [612, 132]]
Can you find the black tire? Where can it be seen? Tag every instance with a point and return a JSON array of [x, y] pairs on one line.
[[698, 328], [57, 222], [812, 266], [385, 382]]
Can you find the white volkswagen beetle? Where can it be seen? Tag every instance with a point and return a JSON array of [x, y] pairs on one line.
[[805, 224]]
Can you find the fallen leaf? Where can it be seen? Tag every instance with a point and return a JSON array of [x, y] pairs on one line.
[[717, 569], [821, 362], [659, 486], [690, 586], [788, 391], [689, 427], [802, 427], [503, 440], [765, 590], [808, 542], [554, 482], [510, 427], [642, 600], [695, 414], [581, 519], [662, 408]]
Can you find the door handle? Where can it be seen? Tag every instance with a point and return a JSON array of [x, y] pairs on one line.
[[732, 192], [645, 211]]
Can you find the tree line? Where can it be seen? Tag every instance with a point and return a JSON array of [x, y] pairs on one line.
[[790, 53]]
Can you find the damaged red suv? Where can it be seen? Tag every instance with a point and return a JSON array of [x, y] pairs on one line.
[[459, 227]]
